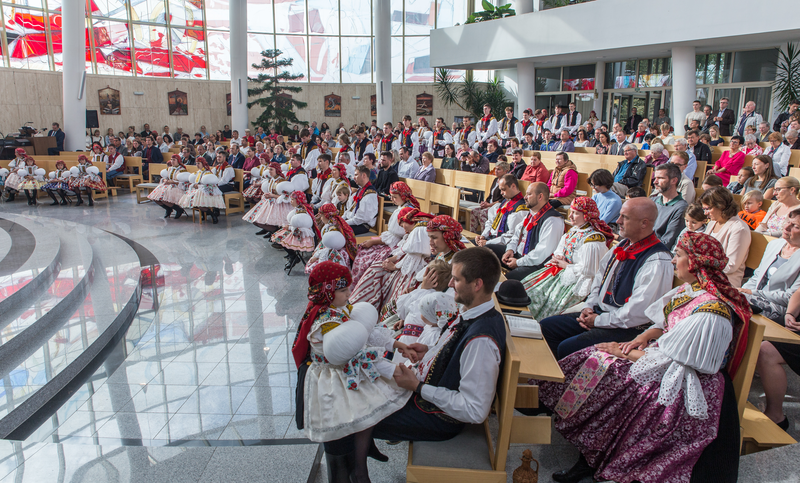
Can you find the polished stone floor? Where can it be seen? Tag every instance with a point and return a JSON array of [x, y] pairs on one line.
[[202, 386]]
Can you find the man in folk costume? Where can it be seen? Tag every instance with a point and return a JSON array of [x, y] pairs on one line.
[[557, 122], [504, 218], [526, 125], [441, 138], [573, 120], [389, 142], [407, 133], [486, 128], [467, 133], [297, 175], [115, 163], [535, 239], [632, 276], [323, 177], [361, 143], [309, 151], [362, 208], [508, 128]]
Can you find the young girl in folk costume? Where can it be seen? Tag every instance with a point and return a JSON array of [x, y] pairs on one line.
[[270, 192], [647, 411], [257, 176], [13, 180], [342, 196], [379, 248], [338, 178], [299, 230], [32, 179], [98, 156], [58, 182], [347, 385], [385, 281], [203, 192], [169, 191], [338, 243], [436, 279], [567, 278], [85, 177], [436, 310]]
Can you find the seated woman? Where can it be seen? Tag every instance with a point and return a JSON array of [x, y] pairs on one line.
[[732, 232], [13, 180], [377, 249], [563, 181], [751, 146], [203, 193], [763, 179], [778, 274], [786, 195], [657, 156], [269, 193], [298, 231], [730, 162], [225, 173], [338, 178], [618, 394], [567, 278], [31, 179], [170, 190], [85, 177], [450, 161], [715, 139], [337, 243], [257, 175], [58, 183]]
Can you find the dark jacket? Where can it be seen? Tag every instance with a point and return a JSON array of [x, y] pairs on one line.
[[152, 155], [519, 169], [59, 135], [702, 152], [634, 175], [482, 166], [617, 148], [784, 116], [236, 161], [728, 120], [632, 124], [384, 181]]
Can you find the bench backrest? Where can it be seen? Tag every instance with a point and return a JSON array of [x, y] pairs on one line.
[[445, 196], [473, 181], [758, 243], [421, 190], [744, 376]]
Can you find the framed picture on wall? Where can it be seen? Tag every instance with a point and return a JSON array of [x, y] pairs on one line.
[[109, 101], [333, 105], [424, 105], [228, 102], [178, 103], [373, 105], [283, 101]]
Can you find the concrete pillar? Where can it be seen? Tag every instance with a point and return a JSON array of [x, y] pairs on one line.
[[73, 31], [599, 82], [683, 85], [238, 46], [523, 6], [383, 60], [526, 87]]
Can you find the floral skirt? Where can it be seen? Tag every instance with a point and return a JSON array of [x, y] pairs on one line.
[[549, 296], [366, 257], [477, 219], [13, 181], [88, 181], [293, 240], [204, 196], [159, 192], [620, 427], [259, 212], [277, 214], [56, 185], [31, 184], [253, 191]]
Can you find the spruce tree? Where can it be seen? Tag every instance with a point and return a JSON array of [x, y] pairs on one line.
[[278, 109]]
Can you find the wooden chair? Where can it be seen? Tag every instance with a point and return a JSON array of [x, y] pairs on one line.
[[444, 196], [700, 173], [476, 183], [131, 177], [421, 190]]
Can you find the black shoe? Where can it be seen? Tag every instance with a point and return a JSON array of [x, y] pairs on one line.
[[79, 203], [214, 218], [179, 212], [64, 202], [784, 425], [91, 203], [277, 246], [55, 203], [262, 232], [376, 454], [11, 196], [579, 471], [340, 467], [169, 213]]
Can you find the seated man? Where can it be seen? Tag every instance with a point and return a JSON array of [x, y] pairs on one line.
[[504, 218], [633, 276], [115, 164], [630, 171], [536, 238], [362, 208], [670, 204], [386, 176]]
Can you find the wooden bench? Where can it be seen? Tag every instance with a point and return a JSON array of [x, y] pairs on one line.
[[142, 190], [131, 178]]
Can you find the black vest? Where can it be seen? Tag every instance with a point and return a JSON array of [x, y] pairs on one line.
[[533, 235], [621, 287], [512, 129], [361, 146]]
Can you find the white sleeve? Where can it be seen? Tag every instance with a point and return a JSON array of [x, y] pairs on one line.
[[655, 312], [367, 211], [311, 160], [492, 129], [480, 366], [487, 227], [585, 264], [700, 341], [300, 182], [227, 175], [514, 220], [550, 234], [513, 243], [118, 162], [326, 196]]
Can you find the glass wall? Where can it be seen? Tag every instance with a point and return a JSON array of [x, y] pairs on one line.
[[329, 40]]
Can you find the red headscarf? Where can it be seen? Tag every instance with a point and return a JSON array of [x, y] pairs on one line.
[[588, 207], [82, 157], [707, 260], [402, 189], [20, 152], [264, 156], [413, 216], [332, 213], [342, 170], [201, 161], [300, 198], [325, 279], [277, 167], [451, 231]]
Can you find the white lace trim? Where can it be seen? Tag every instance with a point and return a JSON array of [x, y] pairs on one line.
[[673, 376]]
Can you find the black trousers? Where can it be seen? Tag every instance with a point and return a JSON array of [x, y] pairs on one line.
[[227, 188], [564, 334], [360, 229], [513, 273]]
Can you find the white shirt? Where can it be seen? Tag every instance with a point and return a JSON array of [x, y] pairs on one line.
[[490, 131], [227, 175], [408, 168], [470, 137], [367, 211], [573, 128], [318, 188], [549, 236], [653, 280], [480, 366], [531, 129], [311, 159], [116, 164], [236, 141], [780, 158], [512, 224]]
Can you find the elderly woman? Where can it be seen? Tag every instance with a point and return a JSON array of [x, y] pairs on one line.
[[780, 154], [764, 177], [786, 190], [563, 181], [751, 146], [618, 394], [732, 232], [657, 156], [730, 162], [567, 277]]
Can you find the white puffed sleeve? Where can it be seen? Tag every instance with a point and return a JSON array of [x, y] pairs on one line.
[[394, 232], [417, 247], [585, 263]]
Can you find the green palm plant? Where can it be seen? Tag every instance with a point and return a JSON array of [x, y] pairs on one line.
[[787, 76], [470, 95], [491, 12]]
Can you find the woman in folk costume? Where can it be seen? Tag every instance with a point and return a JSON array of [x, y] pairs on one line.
[[647, 411], [567, 278], [338, 178], [225, 174], [258, 175], [385, 281], [379, 248], [203, 192], [13, 180], [270, 193], [32, 179], [58, 183], [299, 230], [338, 243], [98, 156], [347, 385], [85, 177], [169, 192]]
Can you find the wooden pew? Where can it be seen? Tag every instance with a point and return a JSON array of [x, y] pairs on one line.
[[470, 181], [133, 173]]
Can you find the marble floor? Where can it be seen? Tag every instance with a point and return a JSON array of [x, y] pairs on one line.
[[201, 388]]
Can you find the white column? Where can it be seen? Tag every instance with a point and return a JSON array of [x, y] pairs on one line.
[[683, 85], [526, 87], [599, 82], [238, 46], [73, 32], [383, 60], [523, 6]]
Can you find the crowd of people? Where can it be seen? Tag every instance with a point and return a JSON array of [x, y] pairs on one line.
[[401, 339]]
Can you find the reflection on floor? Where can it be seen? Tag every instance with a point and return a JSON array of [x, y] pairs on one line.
[[201, 388]]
